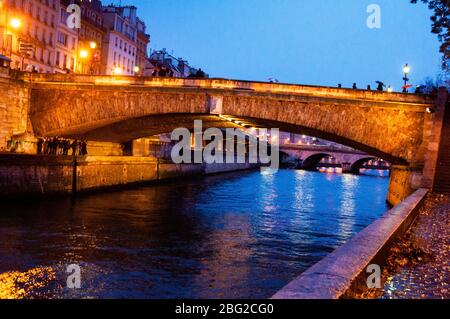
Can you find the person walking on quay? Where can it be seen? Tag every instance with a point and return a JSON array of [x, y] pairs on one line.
[[40, 145], [52, 146], [66, 147], [74, 147], [84, 151]]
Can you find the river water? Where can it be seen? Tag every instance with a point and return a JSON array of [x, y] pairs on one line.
[[241, 235]]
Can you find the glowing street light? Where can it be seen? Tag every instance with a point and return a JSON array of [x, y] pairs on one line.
[[406, 69], [93, 45], [15, 23], [390, 89], [136, 69], [117, 71], [84, 54]]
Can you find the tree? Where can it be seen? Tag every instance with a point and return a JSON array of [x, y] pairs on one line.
[[430, 85], [441, 26]]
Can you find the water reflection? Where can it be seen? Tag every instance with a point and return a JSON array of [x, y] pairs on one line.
[[350, 183], [241, 235], [21, 285]]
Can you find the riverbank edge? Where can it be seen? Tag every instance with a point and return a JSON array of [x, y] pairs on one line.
[[343, 273], [32, 176]]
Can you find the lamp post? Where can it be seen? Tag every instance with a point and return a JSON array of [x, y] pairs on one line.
[[136, 70], [406, 71], [83, 55]]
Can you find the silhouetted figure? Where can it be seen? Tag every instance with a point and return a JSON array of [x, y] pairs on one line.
[[53, 146], [380, 86], [66, 147], [340, 86], [40, 146], [354, 87], [162, 72], [419, 89], [84, 148], [74, 147], [200, 74], [369, 88]]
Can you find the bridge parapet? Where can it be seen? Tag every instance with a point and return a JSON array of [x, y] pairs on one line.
[[226, 84]]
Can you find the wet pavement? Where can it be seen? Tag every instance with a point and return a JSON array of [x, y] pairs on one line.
[[418, 265]]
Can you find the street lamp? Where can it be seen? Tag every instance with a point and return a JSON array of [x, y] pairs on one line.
[[84, 54], [406, 71], [117, 71], [93, 45], [136, 69], [15, 23]]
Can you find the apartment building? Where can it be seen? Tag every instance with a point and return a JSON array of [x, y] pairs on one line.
[[143, 40], [91, 35], [31, 24], [67, 48], [36, 36], [119, 54]]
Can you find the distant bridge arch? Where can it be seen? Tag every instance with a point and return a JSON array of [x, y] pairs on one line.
[[356, 166], [310, 163]]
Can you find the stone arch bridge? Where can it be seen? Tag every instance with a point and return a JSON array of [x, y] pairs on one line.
[[392, 126], [309, 156]]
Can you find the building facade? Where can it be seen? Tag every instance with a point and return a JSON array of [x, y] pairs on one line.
[[35, 35], [143, 40], [120, 42], [66, 43], [28, 33], [164, 64], [91, 36]]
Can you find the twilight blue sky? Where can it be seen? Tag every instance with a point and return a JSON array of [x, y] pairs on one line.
[[317, 42]]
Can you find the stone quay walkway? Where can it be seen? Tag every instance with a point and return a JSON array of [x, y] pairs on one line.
[[419, 264]]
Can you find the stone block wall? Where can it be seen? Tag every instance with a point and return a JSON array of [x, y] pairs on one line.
[[23, 175], [404, 181], [94, 172], [14, 110], [104, 149]]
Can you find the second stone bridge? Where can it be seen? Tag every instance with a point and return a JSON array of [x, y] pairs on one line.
[[309, 156]]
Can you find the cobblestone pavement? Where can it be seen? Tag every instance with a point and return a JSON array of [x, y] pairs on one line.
[[418, 266]]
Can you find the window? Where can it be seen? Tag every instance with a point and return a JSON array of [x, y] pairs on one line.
[[62, 38]]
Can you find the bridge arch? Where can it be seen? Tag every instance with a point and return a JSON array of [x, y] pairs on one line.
[[392, 126], [356, 166], [310, 163], [389, 126]]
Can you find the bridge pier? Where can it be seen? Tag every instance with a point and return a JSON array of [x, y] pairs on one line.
[[347, 168], [404, 181]]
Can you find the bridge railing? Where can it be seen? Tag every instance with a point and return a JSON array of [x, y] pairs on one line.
[[226, 84], [327, 148]]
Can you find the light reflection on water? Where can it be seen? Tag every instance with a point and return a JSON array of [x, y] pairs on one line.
[[241, 235]]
